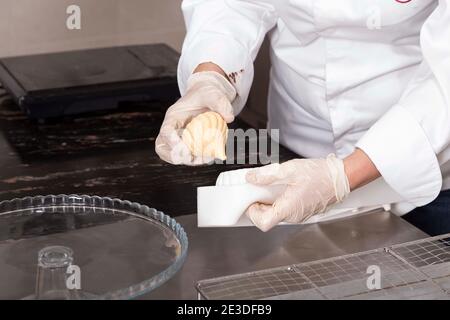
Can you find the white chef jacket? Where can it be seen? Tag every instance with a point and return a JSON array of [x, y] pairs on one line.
[[372, 74]]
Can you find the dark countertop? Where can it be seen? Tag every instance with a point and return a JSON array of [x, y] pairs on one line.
[[106, 154], [112, 154]]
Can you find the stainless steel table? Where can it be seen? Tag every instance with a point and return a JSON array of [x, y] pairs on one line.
[[215, 252], [113, 155]]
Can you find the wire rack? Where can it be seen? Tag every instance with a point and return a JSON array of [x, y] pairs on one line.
[[414, 270]]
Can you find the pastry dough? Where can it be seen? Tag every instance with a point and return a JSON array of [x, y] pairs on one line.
[[206, 136]]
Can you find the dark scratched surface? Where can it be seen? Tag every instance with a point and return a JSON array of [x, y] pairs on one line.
[[112, 154], [106, 154]]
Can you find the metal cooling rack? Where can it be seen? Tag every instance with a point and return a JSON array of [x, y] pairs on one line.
[[414, 270]]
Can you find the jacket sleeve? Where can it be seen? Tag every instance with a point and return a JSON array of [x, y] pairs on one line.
[[405, 143], [228, 33]]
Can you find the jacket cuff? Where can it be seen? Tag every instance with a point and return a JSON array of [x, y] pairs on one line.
[[399, 148], [228, 54]]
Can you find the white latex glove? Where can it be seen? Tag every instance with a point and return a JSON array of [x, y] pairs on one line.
[[312, 185], [206, 91]]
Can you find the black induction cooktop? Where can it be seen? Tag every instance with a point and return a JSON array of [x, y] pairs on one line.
[[58, 84]]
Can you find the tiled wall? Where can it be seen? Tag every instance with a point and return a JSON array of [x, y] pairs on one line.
[[37, 26]]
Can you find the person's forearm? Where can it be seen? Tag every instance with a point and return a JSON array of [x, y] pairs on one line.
[[359, 169], [209, 66]]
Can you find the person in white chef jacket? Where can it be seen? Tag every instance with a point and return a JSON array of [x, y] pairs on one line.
[[360, 88]]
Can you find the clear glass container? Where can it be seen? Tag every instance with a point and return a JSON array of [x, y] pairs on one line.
[[51, 278], [119, 249]]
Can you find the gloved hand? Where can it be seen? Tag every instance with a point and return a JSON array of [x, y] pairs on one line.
[[206, 91], [311, 186]]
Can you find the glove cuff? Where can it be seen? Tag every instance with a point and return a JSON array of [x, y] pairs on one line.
[[216, 79], [338, 177]]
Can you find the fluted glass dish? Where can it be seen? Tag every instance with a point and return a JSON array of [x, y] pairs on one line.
[[123, 249]]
